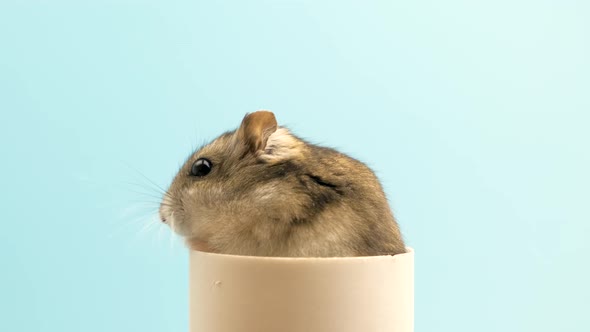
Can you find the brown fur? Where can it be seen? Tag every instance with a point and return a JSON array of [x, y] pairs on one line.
[[269, 193]]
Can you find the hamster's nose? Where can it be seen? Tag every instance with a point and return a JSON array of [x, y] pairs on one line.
[[162, 218]]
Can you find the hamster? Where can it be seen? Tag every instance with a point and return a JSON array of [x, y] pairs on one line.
[[262, 191]]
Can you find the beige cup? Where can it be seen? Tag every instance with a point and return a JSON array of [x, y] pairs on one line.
[[274, 294]]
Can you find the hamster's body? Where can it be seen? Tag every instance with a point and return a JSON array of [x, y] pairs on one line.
[[262, 191]]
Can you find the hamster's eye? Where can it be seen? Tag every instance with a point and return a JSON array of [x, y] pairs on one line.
[[201, 167]]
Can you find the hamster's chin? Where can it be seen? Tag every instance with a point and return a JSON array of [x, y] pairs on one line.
[[198, 244]]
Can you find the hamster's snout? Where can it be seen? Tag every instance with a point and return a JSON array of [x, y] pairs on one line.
[[163, 215], [165, 211]]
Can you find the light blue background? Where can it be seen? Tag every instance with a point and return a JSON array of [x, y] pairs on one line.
[[474, 114]]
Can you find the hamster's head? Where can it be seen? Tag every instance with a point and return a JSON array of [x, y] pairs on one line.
[[230, 187]]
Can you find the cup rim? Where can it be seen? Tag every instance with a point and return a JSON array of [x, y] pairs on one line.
[[409, 252]]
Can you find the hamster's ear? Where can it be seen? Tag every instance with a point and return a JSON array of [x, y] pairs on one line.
[[256, 128]]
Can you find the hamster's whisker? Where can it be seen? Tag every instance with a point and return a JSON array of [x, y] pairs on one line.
[[156, 191], [148, 226], [137, 207], [152, 182], [152, 203], [143, 216], [171, 241], [160, 234], [124, 222], [172, 228], [157, 196]]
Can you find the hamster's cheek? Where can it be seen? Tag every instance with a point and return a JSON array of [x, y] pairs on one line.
[[192, 222], [204, 222]]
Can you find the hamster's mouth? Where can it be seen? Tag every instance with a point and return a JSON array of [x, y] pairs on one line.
[[177, 225]]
